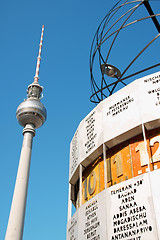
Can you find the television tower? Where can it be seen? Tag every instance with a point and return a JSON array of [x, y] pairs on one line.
[[31, 114]]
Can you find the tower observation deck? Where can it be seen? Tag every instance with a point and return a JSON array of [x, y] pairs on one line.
[[31, 114]]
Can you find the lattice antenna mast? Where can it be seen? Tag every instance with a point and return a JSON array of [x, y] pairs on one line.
[[34, 89], [36, 77]]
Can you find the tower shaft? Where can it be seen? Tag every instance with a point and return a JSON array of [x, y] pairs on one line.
[[17, 212]]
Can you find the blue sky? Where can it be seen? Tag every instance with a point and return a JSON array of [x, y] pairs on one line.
[[69, 30]]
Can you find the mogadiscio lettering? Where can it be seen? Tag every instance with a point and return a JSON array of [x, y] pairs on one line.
[[125, 220]]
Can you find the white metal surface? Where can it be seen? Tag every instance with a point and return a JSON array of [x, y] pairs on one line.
[[74, 154], [92, 218], [149, 98], [72, 227], [116, 119], [128, 210], [155, 178], [121, 113], [90, 133]]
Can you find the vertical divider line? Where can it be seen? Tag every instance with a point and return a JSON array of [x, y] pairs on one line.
[[80, 183], [69, 203], [145, 142], [105, 167]]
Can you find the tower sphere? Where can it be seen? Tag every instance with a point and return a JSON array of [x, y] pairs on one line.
[[31, 111]]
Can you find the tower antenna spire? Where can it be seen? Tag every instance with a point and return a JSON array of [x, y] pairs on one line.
[[36, 77]]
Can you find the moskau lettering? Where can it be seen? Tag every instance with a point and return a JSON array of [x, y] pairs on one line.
[[120, 110]]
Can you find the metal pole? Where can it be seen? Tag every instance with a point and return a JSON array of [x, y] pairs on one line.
[[17, 212], [151, 13]]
